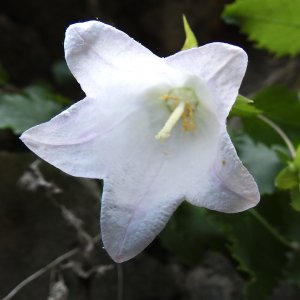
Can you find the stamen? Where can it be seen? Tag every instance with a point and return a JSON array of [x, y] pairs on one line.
[[171, 122]]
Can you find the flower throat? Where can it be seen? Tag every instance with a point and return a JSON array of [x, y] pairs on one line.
[[182, 103]]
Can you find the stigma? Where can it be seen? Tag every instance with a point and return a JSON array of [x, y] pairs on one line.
[[182, 103]]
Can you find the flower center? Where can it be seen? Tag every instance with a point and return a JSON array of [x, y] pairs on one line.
[[182, 103]]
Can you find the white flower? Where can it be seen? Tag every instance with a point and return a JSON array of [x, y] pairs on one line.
[[153, 128]]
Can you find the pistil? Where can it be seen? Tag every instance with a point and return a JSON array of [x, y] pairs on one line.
[[171, 122]]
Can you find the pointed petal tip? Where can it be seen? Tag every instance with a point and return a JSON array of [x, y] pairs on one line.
[[237, 52], [77, 29], [250, 200], [29, 135], [74, 34], [256, 196], [82, 25], [234, 48], [116, 255], [119, 259], [24, 137], [252, 196]]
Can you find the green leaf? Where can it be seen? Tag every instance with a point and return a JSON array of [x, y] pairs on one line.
[[44, 92], [258, 253], [287, 178], [272, 24], [292, 272], [261, 161], [34, 105], [277, 210], [279, 104], [261, 132], [189, 231], [244, 107], [61, 73], [297, 159], [295, 198], [190, 38], [282, 106], [282, 153]]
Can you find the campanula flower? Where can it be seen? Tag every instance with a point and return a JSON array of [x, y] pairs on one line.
[[154, 129]]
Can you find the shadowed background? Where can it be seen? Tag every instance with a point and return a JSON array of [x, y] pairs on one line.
[[35, 227]]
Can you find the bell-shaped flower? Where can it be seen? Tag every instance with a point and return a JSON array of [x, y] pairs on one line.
[[154, 129]]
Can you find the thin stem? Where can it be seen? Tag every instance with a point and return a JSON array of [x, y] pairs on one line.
[[281, 133], [272, 230], [43, 270], [120, 281]]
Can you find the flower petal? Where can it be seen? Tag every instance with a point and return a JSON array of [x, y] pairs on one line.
[[229, 187], [100, 56], [221, 66], [72, 140], [142, 192], [80, 140], [137, 203], [90, 136]]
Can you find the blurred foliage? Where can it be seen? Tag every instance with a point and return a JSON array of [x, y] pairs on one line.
[[190, 231], [62, 74], [258, 253], [262, 162], [264, 242], [31, 106], [289, 179], [272, 24], [280, 105]]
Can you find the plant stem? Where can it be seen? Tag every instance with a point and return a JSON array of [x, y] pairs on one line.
[[120, 281], [272, 230], [43, 270], [281, 133]]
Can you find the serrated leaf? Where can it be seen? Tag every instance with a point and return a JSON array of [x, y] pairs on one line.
[[272, 24], [190, 38], [34, 105], [287, 178], [244, 107], [258, 253], [278, 211]]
